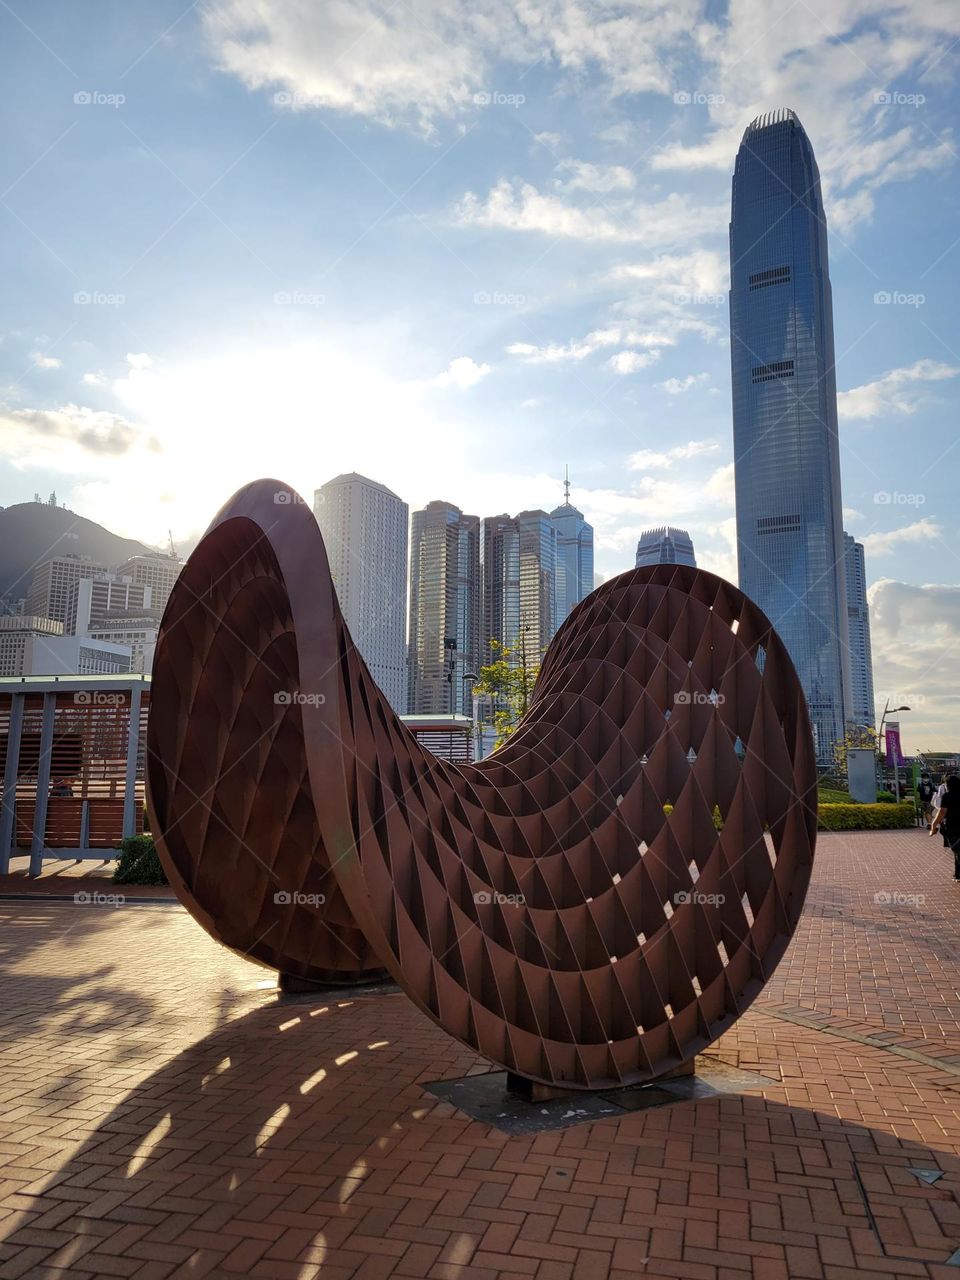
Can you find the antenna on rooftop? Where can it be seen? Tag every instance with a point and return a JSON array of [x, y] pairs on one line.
[[566, 484]]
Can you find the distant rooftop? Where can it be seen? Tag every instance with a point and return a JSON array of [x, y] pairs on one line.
[[354, 477]]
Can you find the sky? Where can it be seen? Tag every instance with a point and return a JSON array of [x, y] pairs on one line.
[[458, 245]]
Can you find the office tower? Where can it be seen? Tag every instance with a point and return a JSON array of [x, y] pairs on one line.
[[17, 635], [135, 628], [520, 583], [52, 581], [364, 528], [858, 622], [444, 608], [574, 555], [786, 451], [665, 546], [90, 600], [158, 572]]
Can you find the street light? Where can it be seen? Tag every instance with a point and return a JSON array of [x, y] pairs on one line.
[[473, 678], [896, 768]]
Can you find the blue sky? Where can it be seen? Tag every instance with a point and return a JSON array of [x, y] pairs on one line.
[[457, 246]]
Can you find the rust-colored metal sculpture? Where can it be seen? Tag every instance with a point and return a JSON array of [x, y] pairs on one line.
[[567, 906]]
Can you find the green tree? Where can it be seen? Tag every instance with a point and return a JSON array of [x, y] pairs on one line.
[[508, 681], [857, 735]]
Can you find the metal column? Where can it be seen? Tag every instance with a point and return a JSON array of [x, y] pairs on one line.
[[43, 784], [9, 806], [133, 750]]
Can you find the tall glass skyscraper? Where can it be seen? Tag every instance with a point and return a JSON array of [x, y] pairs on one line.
[[444, 608], [574, 555], [519, 582], [786, 448], [858, 622]]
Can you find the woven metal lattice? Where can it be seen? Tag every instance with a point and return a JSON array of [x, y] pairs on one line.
[[568, 906]]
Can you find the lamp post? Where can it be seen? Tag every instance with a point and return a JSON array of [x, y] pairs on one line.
[[896, 768], [472, 677]]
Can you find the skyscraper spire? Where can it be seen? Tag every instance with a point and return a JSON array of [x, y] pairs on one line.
[[566, 484]]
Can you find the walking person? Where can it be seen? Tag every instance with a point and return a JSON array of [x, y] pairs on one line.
[[925, 793], [948, 817], [937, 797]]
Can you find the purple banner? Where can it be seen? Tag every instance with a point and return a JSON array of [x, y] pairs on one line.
[[894, 754]]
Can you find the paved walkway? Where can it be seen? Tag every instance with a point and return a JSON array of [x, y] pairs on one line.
[[162, 1113]]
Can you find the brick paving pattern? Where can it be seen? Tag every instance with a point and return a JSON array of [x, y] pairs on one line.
[[163, 1113]]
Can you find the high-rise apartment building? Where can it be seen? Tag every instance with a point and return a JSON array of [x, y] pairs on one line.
[[51, 584], [858, 624], [17, 634], [364, 527], [159, 572], [786, 448], [444, 630], [574, 555], [665, 545]]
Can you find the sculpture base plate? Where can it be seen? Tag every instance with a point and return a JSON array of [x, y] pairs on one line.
[[292, 984], [537, 1091]]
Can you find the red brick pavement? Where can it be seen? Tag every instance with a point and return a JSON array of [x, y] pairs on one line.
[[163, 1114]]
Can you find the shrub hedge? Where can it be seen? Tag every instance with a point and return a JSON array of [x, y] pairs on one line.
[[139, 862], [850, 816]]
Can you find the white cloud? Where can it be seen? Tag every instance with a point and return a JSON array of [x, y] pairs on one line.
[[884, 544], [38, 437], [646, 459], [45, 362], [463, 372], [897, 391], [139, 360], [627, 362], [601, 178], [520, 206], [915, 631], [577, 349], [676, 386], [94, 379]]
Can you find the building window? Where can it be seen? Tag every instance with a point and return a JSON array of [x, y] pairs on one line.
[[768, 372]]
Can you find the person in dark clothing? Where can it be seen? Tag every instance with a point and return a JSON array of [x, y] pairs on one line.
[[948, 817], [925, 794]]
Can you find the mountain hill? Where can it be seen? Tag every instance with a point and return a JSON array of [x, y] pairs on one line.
[[31, 532]]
